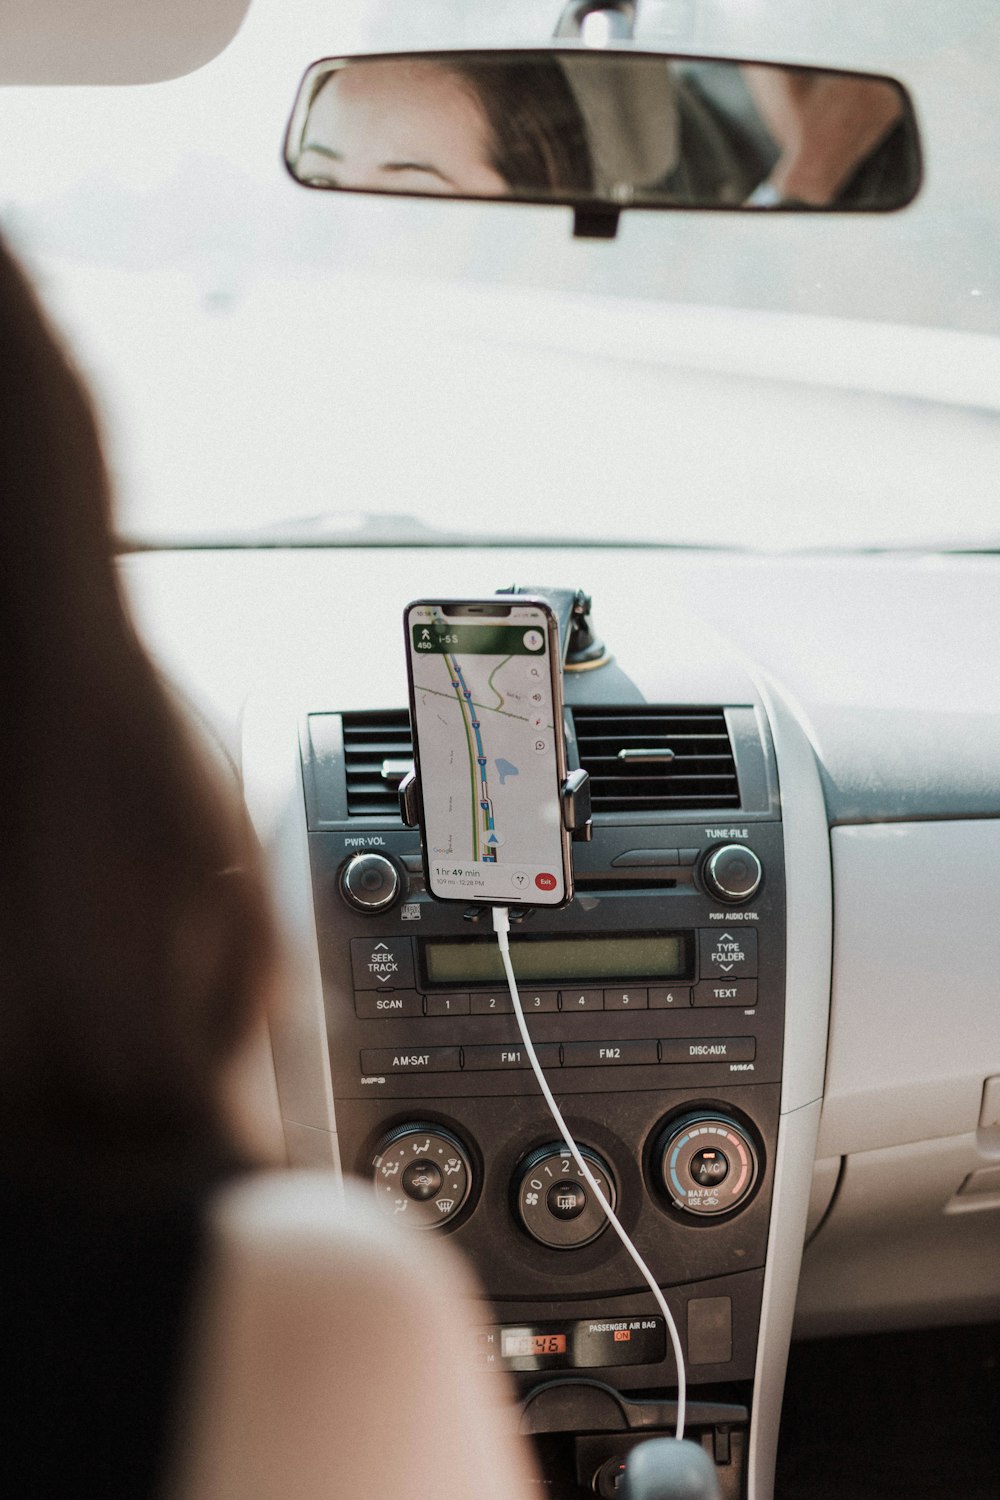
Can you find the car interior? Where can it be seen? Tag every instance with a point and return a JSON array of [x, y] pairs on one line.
[[758, 540]]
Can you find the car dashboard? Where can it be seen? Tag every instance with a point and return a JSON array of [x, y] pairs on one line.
[[809, 1058]]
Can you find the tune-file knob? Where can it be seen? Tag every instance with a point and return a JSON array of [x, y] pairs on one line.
[[732, 873]]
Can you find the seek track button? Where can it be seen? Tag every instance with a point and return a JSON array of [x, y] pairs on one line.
[[382, 963]]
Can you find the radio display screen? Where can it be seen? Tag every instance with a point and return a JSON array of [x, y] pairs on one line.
[[457, 962]]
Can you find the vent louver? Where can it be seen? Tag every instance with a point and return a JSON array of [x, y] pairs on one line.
[[700, 772], [371, 739]]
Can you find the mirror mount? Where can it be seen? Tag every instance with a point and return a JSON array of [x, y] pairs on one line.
[[591, 223]]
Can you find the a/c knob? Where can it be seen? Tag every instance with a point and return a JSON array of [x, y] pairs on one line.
[[422, 1175], [369, 882], [732, 872]]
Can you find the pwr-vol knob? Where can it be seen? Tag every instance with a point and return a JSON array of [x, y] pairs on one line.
[[732, 873], [369, 882], [422, 1175], [556, 1205], [706, 1163]]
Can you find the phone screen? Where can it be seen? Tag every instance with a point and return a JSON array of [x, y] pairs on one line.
[[487, 724]]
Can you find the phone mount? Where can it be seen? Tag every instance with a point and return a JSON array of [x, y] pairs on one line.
[[581, 650], [575, 803]]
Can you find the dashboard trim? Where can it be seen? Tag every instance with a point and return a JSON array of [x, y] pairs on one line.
[[809, 938]]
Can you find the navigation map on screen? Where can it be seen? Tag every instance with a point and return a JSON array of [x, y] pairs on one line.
[[489, 775]]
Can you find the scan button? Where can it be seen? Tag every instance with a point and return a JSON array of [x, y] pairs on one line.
[[375, 1005]]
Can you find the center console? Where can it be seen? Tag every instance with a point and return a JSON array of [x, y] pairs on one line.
[[656, 1001]]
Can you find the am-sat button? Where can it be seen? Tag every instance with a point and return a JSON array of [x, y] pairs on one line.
[[410, 1060], [726, 992]]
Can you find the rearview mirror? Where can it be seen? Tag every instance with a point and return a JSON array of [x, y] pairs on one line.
[[602, 131]]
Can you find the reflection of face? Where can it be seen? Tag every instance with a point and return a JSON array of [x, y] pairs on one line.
[[400, 127]]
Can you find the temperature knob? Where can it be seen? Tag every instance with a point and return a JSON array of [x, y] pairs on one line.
[[422, 1175], [557, 1206], [733, 873], [369, 882], [707, 1163]]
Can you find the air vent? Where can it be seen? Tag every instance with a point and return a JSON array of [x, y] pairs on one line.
[[378, 750], [688, 761]]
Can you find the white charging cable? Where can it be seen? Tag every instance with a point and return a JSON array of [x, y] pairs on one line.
[[501, 926]]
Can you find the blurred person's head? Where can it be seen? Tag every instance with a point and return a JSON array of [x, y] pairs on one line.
[[136, 944], [447, 126]]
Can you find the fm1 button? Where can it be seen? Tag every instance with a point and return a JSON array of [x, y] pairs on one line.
[[566, 1200]]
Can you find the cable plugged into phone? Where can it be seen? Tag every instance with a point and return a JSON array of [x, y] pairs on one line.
[[501, 926]]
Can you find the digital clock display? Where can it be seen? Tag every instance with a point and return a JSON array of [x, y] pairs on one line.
[[517, 1345]]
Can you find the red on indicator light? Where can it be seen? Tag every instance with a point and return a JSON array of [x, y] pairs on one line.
[[622, 1335]]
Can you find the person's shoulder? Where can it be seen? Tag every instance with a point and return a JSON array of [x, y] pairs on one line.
[[310, 1224]]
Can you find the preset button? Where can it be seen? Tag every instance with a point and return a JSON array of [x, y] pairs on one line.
[[663, 997], [582, 999], [448, 1005], [496, 1004], [626, 1000]]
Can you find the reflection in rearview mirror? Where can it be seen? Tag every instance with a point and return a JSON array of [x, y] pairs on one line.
[[605, 131]]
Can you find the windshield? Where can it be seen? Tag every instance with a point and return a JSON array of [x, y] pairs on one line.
[[274, 364]]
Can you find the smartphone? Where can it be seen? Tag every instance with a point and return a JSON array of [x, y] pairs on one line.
[[487, 717]]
